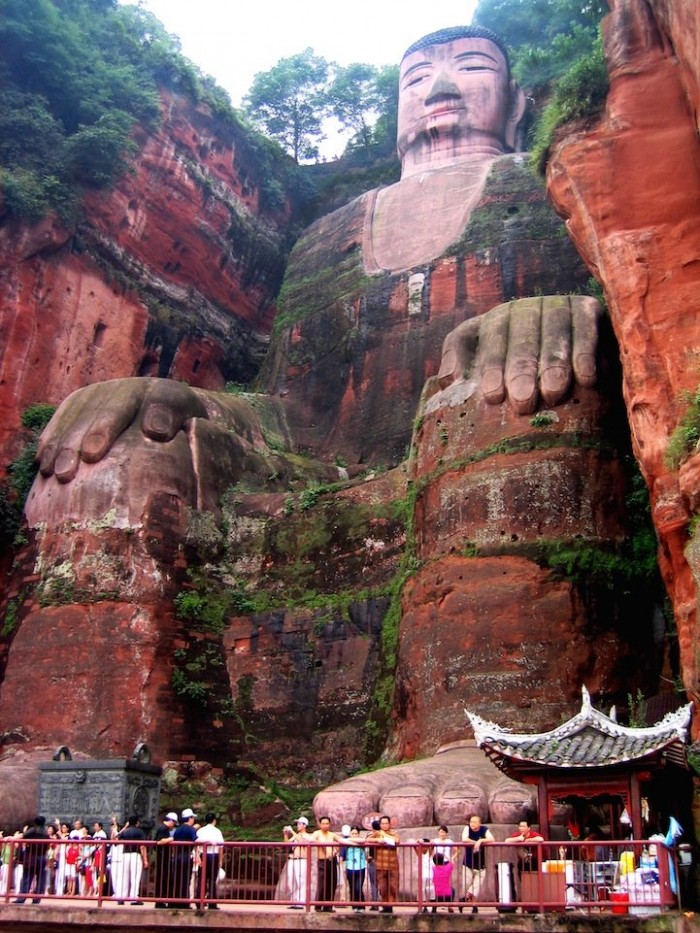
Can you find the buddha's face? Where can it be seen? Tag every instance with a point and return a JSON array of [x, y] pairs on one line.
[[453, 96]]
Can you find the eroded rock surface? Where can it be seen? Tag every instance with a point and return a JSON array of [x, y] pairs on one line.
[[173, 273], [629, 188], [347, 371]]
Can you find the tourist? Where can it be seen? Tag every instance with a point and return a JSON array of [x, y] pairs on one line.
[[527, 854], [386, 860], [61, 848], [127, 883], [5, 857], [213, 838], [17, 856], [443, 845], [163, 836], [184, 837], [34, 861], [51, 859], [355, 859], [297, 862], [424, 851], [372, 871], [99, 857], [85, 865], [474, 834], [442, 880], [327, 853]]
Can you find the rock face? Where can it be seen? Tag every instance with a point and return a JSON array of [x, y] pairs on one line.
[[173, 274], [629, 188], [487, 622]]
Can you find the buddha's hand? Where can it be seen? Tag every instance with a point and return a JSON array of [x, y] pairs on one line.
[[89, 421], [528, 351]]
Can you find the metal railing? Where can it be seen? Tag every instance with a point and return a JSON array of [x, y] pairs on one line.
[[619, 877]]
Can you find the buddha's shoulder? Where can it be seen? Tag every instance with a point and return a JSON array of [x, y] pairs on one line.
[[332, 239]]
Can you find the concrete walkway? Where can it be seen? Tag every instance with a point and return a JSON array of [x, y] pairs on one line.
[[55, 916]]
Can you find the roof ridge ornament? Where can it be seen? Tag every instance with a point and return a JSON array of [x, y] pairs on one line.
[[585, 698]]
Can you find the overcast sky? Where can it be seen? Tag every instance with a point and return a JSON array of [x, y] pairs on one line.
[[232, 41]]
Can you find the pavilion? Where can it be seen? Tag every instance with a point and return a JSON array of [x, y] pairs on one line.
[[590, 759]]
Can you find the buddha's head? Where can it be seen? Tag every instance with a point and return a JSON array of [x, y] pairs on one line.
[[456, 99]]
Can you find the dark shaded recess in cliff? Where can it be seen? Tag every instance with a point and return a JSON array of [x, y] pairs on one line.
[[315, 698], [171, 322], [262, 261], [626, 597]]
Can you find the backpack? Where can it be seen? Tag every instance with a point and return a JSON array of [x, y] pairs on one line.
[[73, 854]]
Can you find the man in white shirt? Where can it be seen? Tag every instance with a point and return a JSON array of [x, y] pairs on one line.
[[213, 839]]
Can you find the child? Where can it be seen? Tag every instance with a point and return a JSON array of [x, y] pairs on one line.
[[442, 880]]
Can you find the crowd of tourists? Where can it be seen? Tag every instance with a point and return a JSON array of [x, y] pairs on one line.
[[73, 860], [357, 867], [371, 868], [354, 866]]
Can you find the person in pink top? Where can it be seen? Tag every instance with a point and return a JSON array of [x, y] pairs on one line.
[[442, 880]]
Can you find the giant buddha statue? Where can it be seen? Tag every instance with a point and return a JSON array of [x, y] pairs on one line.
[[374, 272], [414, 296]]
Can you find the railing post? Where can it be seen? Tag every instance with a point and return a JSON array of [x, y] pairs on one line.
[[102, 871], [11, 870], [421, 890], [199, 861], [307, 880]]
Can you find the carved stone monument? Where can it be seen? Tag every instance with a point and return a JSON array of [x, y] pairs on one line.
[[100, 789]]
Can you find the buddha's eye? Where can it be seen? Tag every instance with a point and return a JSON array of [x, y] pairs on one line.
[[416, 78]]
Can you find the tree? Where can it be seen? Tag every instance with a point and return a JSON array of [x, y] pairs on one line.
[[536, 22], [545, 37], [388, 91], [289, 102], [354, 99]]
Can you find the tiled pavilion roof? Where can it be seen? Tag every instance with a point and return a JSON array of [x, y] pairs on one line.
[[589, 740]]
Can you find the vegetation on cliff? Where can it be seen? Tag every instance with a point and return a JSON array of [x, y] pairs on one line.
[[21, 472], [77, 77], [685, 438], [545, 37], [556, 55]]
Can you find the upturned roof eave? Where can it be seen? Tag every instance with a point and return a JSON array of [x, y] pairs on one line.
[[501, 743]]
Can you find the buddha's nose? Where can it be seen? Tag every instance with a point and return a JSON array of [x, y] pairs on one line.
[[443, 88]]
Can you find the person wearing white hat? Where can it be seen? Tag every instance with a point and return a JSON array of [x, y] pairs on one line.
[[183, 840], [163, 836], [298, 860]]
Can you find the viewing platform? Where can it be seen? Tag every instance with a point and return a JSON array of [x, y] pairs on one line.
[[55, 917]]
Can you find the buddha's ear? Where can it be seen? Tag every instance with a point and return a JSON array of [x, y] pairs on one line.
[[516, 113]]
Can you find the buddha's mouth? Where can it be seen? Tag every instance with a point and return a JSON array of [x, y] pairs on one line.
[[442, 109]]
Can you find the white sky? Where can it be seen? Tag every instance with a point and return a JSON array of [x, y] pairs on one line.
[[232, 41]]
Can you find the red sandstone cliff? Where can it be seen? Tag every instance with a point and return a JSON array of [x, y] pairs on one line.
[[173, 273], [630, 189]]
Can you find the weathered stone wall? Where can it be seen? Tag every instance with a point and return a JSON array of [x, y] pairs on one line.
[[351, 352], [630, 187]]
